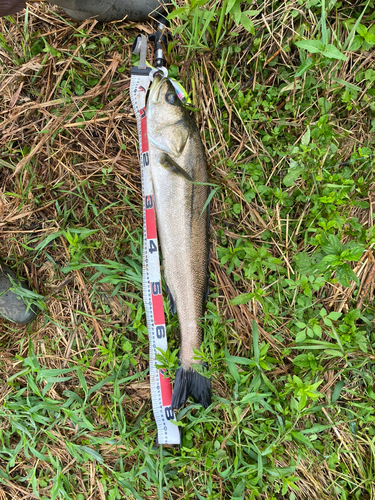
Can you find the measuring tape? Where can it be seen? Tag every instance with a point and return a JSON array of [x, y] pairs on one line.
[[161, 388]]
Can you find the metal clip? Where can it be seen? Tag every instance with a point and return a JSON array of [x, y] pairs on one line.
[[154, 71], [160, 41]]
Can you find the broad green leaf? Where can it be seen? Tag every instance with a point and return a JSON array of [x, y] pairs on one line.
[[255, 397], [240, 360], [317, 330], [247, 24], [301, 336], [312, 46], [332, 260], [92, 453], [352, 254], [305, 139], [21, 428], [332, 245], [334, 315], [337, 390], [244, 298], [302, 402], [48, 240], [236, 11], [348, 23], [82, 61], [179, 12], [302, 360], [269, 384], [238, 493], [300, 324], [356, 43], [348, 85], [305, 66], [82, 381], [345, 274], [232, 367], [230, 5], [315, 429], [355, 26], [251, 13], [370, 38], [333, 52], [370, 75], [361, 30], [292, 176], [300, 437]]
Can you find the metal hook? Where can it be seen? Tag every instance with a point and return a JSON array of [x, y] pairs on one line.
[[154, 71]]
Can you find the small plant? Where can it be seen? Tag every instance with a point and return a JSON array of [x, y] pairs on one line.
[[302, 392], [254, 262], [167, 360], [336, 258], [77, 244], [319, 47], [365, 38]]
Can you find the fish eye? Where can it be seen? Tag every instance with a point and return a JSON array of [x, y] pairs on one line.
[[171, 97]]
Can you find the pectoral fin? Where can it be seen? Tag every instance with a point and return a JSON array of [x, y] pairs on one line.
[[168, 163]]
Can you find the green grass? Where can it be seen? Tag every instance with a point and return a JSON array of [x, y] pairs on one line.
[[283, 93]]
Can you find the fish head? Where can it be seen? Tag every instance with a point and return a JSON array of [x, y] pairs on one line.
[[168, 122]]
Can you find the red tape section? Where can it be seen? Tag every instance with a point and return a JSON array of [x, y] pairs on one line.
[[157, 303], [144, 138], [166, 388], [150, 219]]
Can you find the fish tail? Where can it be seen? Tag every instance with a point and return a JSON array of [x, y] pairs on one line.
[[191, 383]]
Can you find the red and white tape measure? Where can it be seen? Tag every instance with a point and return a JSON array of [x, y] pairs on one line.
[[161, 388]]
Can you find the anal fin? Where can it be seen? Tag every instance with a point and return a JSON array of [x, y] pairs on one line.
[[172, 302]]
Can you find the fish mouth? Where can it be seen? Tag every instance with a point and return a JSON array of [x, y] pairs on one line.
[[156, 88]]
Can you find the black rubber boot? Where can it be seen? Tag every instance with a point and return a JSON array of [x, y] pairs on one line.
[[110, 10], [12, 307], [102, 10]]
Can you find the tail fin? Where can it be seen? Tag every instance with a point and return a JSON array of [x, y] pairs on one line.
[[191, 383]]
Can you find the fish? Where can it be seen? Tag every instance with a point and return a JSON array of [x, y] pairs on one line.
[[179, 177], [8, 7]]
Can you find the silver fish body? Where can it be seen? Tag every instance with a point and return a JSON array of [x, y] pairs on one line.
[[177, 164]]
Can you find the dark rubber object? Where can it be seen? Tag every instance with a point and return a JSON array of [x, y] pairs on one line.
[[102, 10], [190, 383], [8, 7], [12, 307], [109, 10]]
